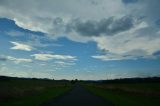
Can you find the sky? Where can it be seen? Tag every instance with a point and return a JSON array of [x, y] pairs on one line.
[[80, 39]]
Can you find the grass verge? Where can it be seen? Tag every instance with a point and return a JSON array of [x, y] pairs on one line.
[[30, 92], [35, 100], [120, 98]]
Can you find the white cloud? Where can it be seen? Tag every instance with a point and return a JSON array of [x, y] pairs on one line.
[[20, 46], [38, 15], [110, 57], [46, 16], [45, 57], [19, 60], [60, 62], [128, 45], [65, 63]]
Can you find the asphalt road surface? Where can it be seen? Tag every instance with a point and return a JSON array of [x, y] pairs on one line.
[[78, 97]]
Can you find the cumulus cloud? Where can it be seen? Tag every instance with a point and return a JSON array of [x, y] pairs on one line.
[[20, 46], [55, 22], [108, 26], [45, 57], [128, 45]]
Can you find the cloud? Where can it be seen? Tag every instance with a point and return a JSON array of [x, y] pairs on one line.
[[124, 29], [15, 33], [129, 45], [60, 62], [20, 46], [27, 66], [45, 57], [3, 59], [65, 63], [112, 57], [108, 26], [19, 60], [54, 21], [15, 72], [130, 1], [40, 41], [33, 40]]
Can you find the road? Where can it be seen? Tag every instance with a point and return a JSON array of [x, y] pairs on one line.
[[78, 97]]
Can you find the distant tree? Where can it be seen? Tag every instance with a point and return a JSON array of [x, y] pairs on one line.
[[74, 81]]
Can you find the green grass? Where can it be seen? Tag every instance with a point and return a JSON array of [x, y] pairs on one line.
[[30, 92], [135, 86], [46, 95], [121, 98]]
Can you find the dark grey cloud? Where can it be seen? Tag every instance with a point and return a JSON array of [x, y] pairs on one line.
[[94, 2], [152, 8], [3, 59], [109, 26], [129, 1], [157, 22], [157, 53], [148, 9]]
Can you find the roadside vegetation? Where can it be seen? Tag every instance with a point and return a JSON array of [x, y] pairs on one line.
[[30, 92], [127, 93]]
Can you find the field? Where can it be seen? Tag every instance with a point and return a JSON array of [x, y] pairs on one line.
[[128, 94], [34, 92], [30, 92]]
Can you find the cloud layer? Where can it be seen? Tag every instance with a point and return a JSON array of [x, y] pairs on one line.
[[19, 60], [45, 57], [123, 29]]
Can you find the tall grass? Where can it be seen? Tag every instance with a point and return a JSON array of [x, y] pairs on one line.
[[30, 92]]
